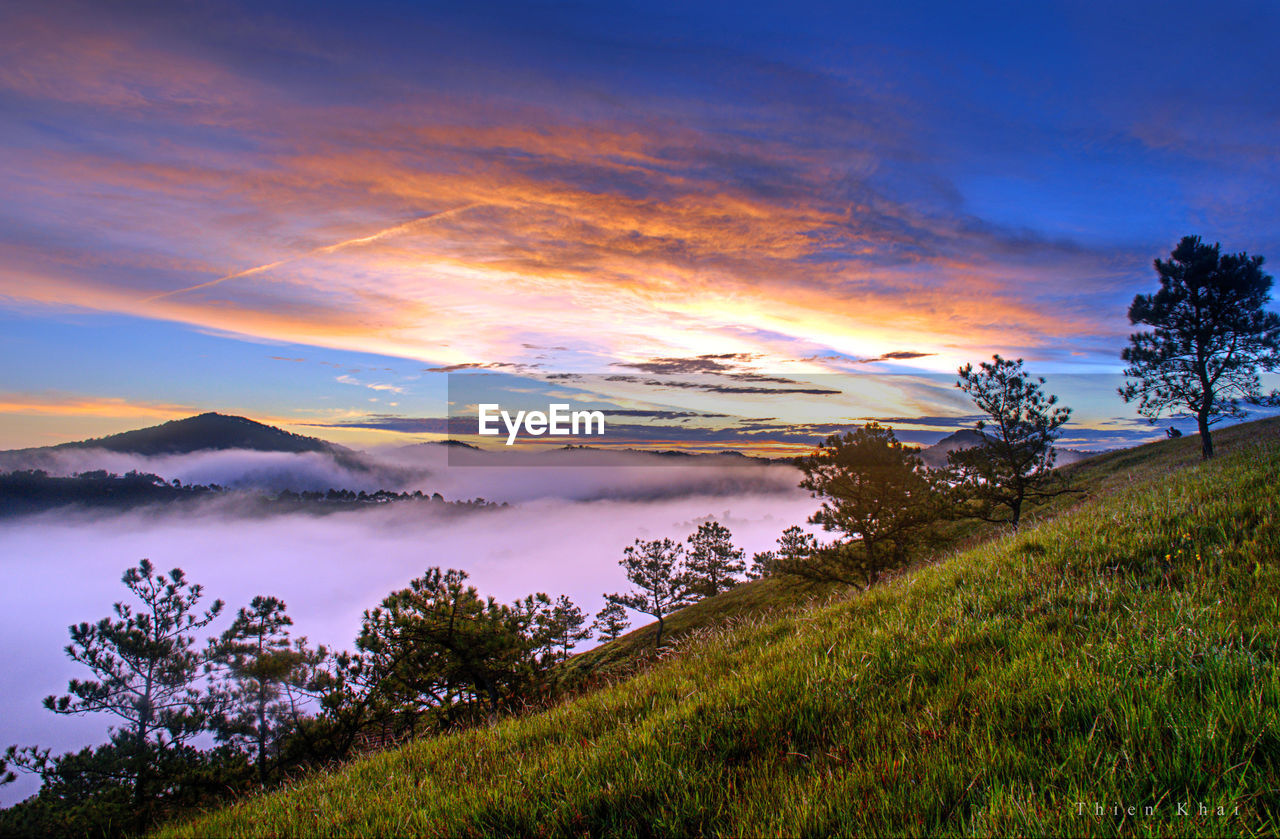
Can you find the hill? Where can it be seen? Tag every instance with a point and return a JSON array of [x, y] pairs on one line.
[[1119, 655], [202, 433], [935, 456]]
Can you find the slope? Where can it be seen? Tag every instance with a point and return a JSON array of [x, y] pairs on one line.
[[203, 432], [1121, 655]]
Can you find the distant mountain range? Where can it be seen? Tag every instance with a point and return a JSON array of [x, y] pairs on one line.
[[935, 456], [215, 432]]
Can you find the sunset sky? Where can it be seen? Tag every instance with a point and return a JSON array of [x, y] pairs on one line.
[[307, 213]]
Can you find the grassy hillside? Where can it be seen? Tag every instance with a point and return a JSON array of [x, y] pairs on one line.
[[749, 601], [1123, 654]]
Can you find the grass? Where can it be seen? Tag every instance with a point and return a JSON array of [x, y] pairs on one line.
[[746, 602], [1122, 654]]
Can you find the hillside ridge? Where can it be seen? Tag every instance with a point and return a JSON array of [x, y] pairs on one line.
[[1121, 653]]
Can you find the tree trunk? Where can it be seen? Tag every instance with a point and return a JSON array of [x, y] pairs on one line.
[[262, 738], [870, 574], [139, 765], [658, 641], [1206, 440], [140, 799], [491, 691]]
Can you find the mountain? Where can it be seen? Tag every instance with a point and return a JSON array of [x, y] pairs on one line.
[[935, 456], [202, 433], [205, 432]]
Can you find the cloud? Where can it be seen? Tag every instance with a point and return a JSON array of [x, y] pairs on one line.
[[897, 355], [351, 380], [389, 422], [54, 404], [945, 421], [490, 365], [665, 415], [720, 388], [375, 228], [707, 363]]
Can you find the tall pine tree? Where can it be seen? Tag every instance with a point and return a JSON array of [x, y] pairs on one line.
[[255, 660], [1210, 336], [145, 668], [713, 562]]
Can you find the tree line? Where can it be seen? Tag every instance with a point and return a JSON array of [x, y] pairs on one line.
[[1210, 337], [879, 501], [254, 704], [26, 491]]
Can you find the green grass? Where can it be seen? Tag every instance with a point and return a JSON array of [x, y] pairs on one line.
[[748, 601], [1122, 653]]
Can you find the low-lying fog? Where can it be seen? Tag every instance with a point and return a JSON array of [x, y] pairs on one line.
[[563, 534], [580, 474]]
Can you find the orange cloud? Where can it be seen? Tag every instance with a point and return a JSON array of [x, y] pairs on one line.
[[92, 406], [453, 231]]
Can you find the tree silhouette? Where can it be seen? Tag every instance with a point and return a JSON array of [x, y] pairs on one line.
[[661, 585], [712, 561], [257, 662], [610, 622], [1210, 336], [145, 669], [793, 545], [1013, 465], [874, 492], [438, 644], [567, 624]]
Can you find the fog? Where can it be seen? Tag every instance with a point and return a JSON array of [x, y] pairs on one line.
[[575, 475], [65, 568]]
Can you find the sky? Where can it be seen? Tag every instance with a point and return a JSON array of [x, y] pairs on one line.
[[308, 213]]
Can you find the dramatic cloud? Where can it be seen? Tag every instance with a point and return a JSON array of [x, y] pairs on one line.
[[475, 229]]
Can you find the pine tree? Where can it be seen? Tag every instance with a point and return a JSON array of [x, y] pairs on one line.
[[610, 623], [877, 494], [256, 660], [713, 562], [1210, 336], [763, 564], [439, 647], [567, 622], [145, 668], [794, 546], [657, 572], [1013, 465]]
